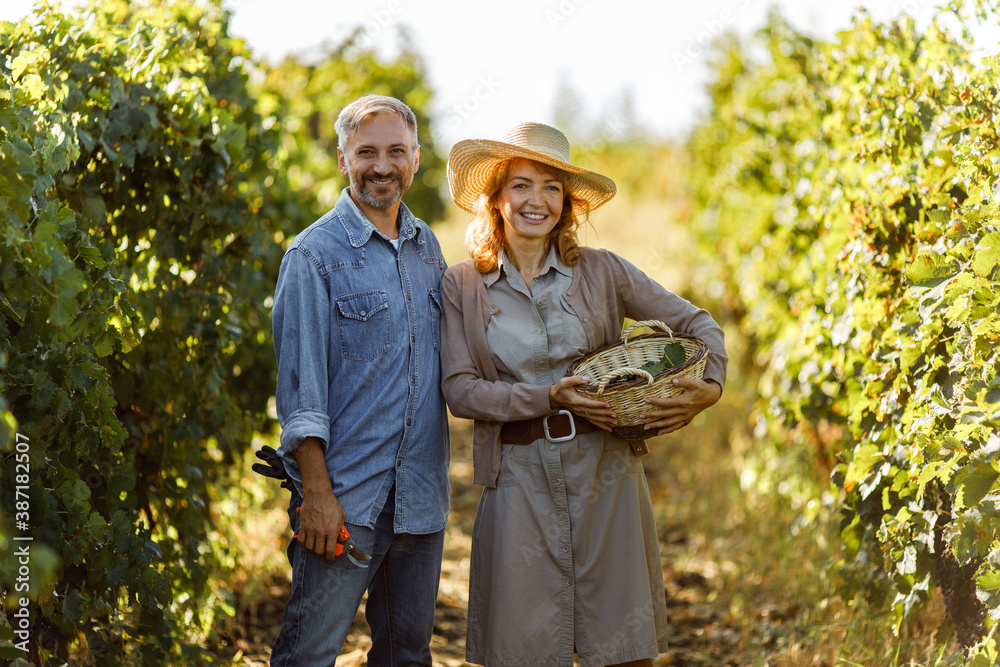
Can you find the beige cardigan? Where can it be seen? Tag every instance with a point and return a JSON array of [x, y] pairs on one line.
[[605, 289]]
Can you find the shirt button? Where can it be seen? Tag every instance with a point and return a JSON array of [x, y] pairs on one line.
[[363, 313], [565, 550], [552, 447], [562, 515], [539, 302], [413, 380], [399, 464], [585, 320], [413, 339], [409, 422], [540, 332], [558, 480], [409, 297]]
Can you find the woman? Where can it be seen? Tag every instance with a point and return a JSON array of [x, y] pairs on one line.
[[565, 555]]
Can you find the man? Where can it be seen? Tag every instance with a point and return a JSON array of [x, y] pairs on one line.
[[364, 436]]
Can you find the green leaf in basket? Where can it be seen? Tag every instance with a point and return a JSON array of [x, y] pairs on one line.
[[673, 355]]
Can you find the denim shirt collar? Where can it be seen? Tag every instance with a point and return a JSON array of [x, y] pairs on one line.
[[552, 261], [360, 229]]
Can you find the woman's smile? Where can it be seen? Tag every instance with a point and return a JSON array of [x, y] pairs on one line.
[[531, 201]]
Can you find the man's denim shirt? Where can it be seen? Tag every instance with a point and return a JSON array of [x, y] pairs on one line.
[[357, 336]]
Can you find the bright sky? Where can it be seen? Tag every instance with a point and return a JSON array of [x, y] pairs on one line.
[[496, 64]]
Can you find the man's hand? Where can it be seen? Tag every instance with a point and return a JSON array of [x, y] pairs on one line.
[[671, 414], [321, 514], [320, 519], [272, 467]]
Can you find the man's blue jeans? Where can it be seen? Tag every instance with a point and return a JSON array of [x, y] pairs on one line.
[[401, 580]]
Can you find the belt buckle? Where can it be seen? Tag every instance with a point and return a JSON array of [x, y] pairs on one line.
[[572, 427]]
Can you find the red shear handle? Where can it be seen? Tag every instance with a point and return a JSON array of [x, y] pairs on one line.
[[342, 534]]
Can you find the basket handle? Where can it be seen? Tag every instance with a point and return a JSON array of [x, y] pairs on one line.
[[650, 324], [625, 370]]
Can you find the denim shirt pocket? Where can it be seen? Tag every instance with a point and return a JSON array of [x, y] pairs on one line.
[[363, 325], [435, 310]]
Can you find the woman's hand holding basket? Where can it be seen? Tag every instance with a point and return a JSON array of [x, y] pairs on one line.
[[677, 411], [563, 395]]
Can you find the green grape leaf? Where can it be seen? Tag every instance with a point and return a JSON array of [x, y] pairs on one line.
[[865, 458], [926, 271], [989, 581], [974, 483], [673, 355], [988, 255]]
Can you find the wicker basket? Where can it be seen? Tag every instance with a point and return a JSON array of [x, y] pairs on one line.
[[624, 358]]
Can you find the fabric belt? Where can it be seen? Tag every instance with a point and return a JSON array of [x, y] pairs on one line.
[[527, 431]]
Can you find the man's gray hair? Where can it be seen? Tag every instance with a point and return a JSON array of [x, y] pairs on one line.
[[355, 112]]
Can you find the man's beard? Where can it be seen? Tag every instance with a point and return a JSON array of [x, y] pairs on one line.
[[389, 199]]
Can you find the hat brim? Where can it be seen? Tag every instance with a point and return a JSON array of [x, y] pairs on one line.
[[472, 162]]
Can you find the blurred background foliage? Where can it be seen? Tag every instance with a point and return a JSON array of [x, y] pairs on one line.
[[306, 98], [834, 209]]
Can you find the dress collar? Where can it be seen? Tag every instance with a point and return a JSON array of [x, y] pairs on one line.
[[552, 261]]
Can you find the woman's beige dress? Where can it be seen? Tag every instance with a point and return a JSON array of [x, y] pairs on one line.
[[565, 555]]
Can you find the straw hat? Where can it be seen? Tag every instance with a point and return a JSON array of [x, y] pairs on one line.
[[472, 161]]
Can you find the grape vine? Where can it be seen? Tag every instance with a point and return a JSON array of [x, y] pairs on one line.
[[847, 193], [144, 206]]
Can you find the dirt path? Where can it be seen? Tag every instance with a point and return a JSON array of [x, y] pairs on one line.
[[701, 633]]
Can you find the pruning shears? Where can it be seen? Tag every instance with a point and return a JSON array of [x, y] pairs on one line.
[[346, 545]]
